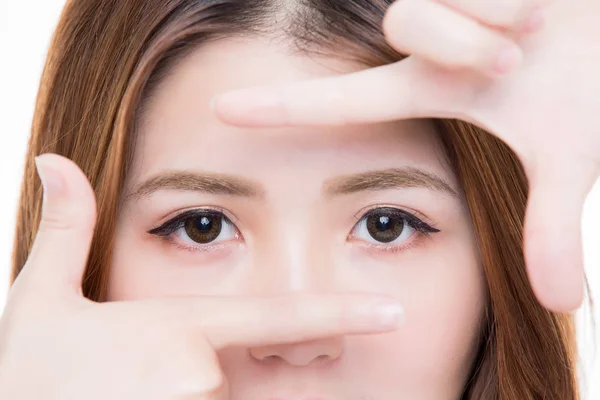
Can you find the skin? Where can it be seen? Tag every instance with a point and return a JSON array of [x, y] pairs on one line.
[[295, 237], [182, 343], [524, 70]]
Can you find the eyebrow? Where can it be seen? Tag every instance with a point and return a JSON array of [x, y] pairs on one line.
[[231, 185], [218, 184], [391, 178]]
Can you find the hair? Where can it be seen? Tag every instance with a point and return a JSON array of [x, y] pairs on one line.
[[105, 60]]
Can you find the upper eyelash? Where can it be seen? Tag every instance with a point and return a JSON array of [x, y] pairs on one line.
[[179, 221], [412, 220]]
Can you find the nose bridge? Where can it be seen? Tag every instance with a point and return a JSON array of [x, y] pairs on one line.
[[296, 258]]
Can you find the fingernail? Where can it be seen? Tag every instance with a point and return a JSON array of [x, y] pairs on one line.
[[507, 59], [52, 180], [388, 313]]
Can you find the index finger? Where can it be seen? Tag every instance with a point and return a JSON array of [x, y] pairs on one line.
[[411, 88], [254, 321], [377, 94]]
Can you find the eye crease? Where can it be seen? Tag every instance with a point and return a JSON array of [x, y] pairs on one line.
[[387, 228]]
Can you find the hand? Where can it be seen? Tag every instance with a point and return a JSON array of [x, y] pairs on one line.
[[56, 344], [545, 110]]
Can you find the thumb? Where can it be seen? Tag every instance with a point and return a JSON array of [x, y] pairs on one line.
[[553, 244], [59, 254]]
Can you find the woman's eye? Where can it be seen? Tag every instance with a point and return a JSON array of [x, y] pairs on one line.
[[199, 227], [206, 229], [389, 226]]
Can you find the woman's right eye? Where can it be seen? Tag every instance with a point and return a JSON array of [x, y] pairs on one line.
[[198, 227]]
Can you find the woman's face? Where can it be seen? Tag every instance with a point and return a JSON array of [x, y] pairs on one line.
[[310, 209]]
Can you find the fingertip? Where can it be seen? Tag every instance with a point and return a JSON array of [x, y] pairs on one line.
[[77, 179], [556, 274], [553, 236], [52, 180], [562, 300], [65, 231], [75, 209]]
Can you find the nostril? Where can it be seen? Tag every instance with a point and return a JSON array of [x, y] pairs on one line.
[[271, 359], [322, 360], [300, 354]]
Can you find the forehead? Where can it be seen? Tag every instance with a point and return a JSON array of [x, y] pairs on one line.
[[178, 130]]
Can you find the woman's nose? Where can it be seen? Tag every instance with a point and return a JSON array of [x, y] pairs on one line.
[[316, 352], [293, 262]]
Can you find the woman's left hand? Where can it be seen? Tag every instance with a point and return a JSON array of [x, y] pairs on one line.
[[546, 109]]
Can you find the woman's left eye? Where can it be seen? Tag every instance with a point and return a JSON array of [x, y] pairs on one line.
[[388, 226], [197, 228]]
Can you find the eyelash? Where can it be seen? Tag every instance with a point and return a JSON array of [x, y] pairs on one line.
[[167, 229], [422, 229]]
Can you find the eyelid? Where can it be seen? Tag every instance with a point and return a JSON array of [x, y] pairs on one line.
[[175, 215], [400, 209], [423, 229]]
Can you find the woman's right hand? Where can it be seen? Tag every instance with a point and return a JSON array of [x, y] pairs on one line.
[[55, 344]]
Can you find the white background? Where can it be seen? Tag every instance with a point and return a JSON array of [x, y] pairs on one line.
[[25, 30]]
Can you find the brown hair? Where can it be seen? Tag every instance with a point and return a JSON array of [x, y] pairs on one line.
[[107, 56]]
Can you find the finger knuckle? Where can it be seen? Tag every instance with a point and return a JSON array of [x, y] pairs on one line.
[[53, 221], [66, 221]]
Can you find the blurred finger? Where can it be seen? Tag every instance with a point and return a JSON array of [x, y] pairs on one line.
[[553, 244], [441, 35]]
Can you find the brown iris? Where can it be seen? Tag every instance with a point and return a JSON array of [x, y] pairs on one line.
[[204, 229], [384, 227]]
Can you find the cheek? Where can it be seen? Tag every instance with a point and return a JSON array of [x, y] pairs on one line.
[[126, 279], [444, 300], [145, 266], [141, 267], [442, 287], [442, 326]]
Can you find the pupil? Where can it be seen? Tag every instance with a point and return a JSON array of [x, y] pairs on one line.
[[204, 229], [204, 224], [383, 227], [383, 224]]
